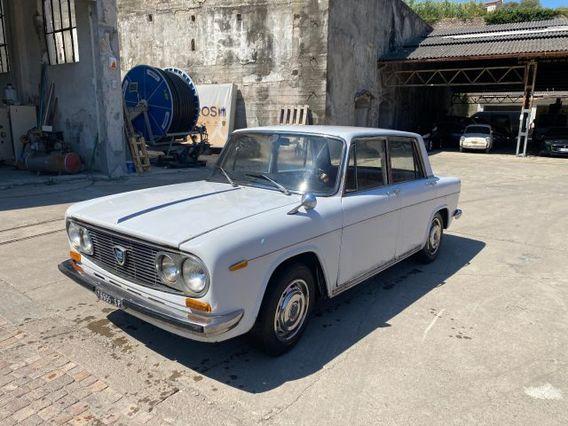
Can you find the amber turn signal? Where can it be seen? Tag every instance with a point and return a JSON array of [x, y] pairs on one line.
[[240, 265], [76, 257], [197, 305]]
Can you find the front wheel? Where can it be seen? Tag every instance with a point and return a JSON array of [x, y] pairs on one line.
[[286, 309], [430, 251]]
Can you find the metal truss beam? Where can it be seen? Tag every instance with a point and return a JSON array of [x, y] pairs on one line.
[[501, 98], [455, 77]]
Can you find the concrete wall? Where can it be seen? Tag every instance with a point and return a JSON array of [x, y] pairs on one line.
[[89, 108], [359, 32], [274, 50]]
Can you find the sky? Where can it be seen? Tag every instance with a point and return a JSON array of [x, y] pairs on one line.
[[554, 3]]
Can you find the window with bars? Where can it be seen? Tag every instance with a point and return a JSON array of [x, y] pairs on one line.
[[4, 60], [61, 31]]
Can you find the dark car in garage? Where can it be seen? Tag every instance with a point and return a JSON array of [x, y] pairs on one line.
[[552, 141], [447, 132]]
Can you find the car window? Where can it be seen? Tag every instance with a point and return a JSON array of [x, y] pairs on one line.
[[478, 129], [366, 167], [404, 160]]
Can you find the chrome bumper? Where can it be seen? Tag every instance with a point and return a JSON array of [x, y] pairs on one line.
[[188, 324]]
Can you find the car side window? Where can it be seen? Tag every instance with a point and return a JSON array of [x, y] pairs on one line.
[[366, 168], [405, 162]]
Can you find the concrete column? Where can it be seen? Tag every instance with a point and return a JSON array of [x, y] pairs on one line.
[[107, 79]]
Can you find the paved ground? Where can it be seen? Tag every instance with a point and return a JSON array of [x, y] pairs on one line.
[[480, 336]]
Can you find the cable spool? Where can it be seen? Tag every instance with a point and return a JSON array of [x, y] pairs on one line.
[[167, 100]]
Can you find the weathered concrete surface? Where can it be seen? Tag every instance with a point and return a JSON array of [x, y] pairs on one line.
[[479, 336], [319, 53], [360, 32], [273, 50]]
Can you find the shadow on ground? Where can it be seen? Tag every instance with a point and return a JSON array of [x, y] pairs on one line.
[[336, 326], [49, 194]]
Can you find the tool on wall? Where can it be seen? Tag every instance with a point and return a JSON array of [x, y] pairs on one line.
[[162, 106]]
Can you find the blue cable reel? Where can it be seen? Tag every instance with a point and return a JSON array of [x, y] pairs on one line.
[[160, 103]]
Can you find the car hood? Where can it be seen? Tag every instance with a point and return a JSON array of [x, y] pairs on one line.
[[172, 215]]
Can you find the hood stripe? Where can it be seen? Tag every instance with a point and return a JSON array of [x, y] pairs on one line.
[[171, 203]]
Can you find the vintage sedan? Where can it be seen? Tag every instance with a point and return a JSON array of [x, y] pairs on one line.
[[290, 215]]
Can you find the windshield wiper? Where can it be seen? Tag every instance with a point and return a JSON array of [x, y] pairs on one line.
[[231, 181], [282, 188]]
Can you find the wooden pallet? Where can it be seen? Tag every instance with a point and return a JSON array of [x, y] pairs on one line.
[[295, 115], [137, 145]]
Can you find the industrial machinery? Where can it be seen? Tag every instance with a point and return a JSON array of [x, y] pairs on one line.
[[162, 106]]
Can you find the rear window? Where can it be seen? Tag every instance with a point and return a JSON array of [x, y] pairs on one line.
[[478, 129]]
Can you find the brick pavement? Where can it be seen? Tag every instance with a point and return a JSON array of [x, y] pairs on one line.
[[39, 385]]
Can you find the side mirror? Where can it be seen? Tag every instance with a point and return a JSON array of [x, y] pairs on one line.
[[309, 202]]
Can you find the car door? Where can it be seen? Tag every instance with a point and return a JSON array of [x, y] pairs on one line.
[[370, 211], [416, 193]]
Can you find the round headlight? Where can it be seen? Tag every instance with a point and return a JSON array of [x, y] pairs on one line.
[[74, 234], [168, 269], [195, 275], [86, 242]]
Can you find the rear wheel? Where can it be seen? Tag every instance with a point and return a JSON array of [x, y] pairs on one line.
[[286, 309], [430, 251]]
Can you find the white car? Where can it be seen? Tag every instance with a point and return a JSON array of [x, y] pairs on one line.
[[477, 137], [289, 216]]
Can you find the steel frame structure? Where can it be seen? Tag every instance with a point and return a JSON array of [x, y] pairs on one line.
[[454, 77], [523, 76], [501, 98]]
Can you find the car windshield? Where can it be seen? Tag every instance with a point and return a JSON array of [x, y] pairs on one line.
[[478, 129], [284, 161]]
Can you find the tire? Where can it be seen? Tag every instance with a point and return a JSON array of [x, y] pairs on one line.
[[430, 251], [291, 293]]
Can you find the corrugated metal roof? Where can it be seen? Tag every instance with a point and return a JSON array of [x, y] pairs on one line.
[[540, 37]]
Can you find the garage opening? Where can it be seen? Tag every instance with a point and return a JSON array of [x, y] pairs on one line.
[[511, 77]]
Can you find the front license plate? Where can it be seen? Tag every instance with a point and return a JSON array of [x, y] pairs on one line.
[[563, 149], [108, 298]]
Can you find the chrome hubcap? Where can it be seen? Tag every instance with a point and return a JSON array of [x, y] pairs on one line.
[[292, 310], [435, 235]]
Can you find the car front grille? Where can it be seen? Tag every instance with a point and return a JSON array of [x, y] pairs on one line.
[[140, 257]]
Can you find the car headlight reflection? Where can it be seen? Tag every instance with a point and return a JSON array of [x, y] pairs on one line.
[[195, 275], [168, 269], [185, 273], [79, 238]]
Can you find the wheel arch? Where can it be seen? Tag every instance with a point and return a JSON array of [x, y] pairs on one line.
[[444, 210], [307, 256]]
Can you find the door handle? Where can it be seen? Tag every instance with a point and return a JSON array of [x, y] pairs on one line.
[[431, 183]]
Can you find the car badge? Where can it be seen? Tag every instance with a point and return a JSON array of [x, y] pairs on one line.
[[119, 255]]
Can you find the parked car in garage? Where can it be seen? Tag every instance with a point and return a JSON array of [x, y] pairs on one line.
[[290, 215], [480, 137], [552, 141], [446, 133], [506, 123]]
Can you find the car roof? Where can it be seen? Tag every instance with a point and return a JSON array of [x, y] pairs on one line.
[[479, 125], [344, 132]]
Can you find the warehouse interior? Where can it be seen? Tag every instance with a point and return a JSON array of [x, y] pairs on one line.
[[60, 74]]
